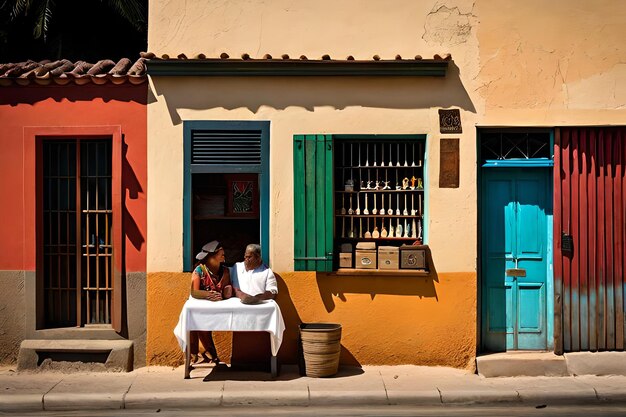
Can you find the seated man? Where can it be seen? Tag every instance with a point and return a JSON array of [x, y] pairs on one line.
[[253, 281]]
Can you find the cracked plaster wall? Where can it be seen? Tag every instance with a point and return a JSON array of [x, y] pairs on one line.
[[448, 26], [295, 27], [552, 63]]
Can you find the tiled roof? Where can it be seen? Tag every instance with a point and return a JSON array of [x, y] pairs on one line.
[[64, 72], [268, 57]]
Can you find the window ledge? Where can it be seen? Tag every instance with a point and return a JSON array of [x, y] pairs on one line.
[[383, 272]]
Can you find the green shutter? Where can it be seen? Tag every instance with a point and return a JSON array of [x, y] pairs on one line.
[[313, 202]]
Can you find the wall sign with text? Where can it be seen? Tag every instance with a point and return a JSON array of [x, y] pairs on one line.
[[450, 121]]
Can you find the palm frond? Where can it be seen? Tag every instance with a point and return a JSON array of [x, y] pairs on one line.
[[20, 6], [133, 11], [44, 15]]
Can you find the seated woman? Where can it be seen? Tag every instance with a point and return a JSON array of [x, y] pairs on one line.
[[210, 280]]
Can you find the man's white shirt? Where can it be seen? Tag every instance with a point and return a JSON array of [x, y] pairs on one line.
[[255, 281]]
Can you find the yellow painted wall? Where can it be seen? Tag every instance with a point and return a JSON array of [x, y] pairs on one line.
[[385, 320]]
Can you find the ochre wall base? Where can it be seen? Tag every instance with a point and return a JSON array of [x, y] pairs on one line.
[[386, 320]]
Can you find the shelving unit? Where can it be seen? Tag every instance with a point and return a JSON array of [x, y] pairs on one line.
[[379, 192]]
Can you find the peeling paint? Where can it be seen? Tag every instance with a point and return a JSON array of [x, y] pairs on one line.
[[447, 26]]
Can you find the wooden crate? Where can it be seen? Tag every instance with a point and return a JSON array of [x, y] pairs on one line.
[[345, 260], [412, 257], [388, 257], [365, 259]]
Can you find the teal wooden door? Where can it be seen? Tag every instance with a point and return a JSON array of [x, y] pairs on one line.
[[514, 272]]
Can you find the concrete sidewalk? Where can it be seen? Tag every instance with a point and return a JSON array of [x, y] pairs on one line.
[[153, 388]]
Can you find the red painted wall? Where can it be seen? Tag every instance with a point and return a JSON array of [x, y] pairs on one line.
[[70, 106]]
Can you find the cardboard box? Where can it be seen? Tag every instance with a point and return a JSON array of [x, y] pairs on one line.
[[412, 257], [366, 245], [388, 257], [365, 259], [345, 260]]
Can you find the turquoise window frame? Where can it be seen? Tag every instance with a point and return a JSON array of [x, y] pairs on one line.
[[262, 170]]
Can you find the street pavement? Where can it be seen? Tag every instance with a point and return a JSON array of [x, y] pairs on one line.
[[164, 388]]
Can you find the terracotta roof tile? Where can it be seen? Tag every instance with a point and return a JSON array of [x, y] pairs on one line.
[[63, 72], [222, 64], [268, 57]]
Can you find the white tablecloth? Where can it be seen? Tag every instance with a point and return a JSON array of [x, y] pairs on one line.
[[230, 315]]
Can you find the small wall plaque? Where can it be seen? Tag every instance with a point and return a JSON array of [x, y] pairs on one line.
[[449, 163], [450, 121]]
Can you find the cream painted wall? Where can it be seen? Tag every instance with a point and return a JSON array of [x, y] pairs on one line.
[[295, 106], [349, 27], [307, 106], [532, 63], [552, 63]]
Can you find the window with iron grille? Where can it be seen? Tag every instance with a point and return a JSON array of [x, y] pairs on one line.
[[498, 145], [77, 218]]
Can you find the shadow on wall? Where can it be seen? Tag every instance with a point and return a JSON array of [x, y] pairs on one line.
[[131, 183], [251, 350], [74, 93], [291, 349], [254, 347], [308, 93], [421, 286]]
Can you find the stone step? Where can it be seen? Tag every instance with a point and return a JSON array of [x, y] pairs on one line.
[[528, 363], [521, 363], [596, 363], [92, 355]]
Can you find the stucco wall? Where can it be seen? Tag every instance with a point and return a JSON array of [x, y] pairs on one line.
[[73, 107], [512, 67], [314, 105], [295, 27], [12, 315], [361, 105], [386, 320], [514, 64], [552, 63], [70, 106]]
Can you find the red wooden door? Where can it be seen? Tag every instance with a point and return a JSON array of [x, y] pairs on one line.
[[589, 206]]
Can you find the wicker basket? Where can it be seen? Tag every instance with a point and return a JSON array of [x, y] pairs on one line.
[[321, 345]]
